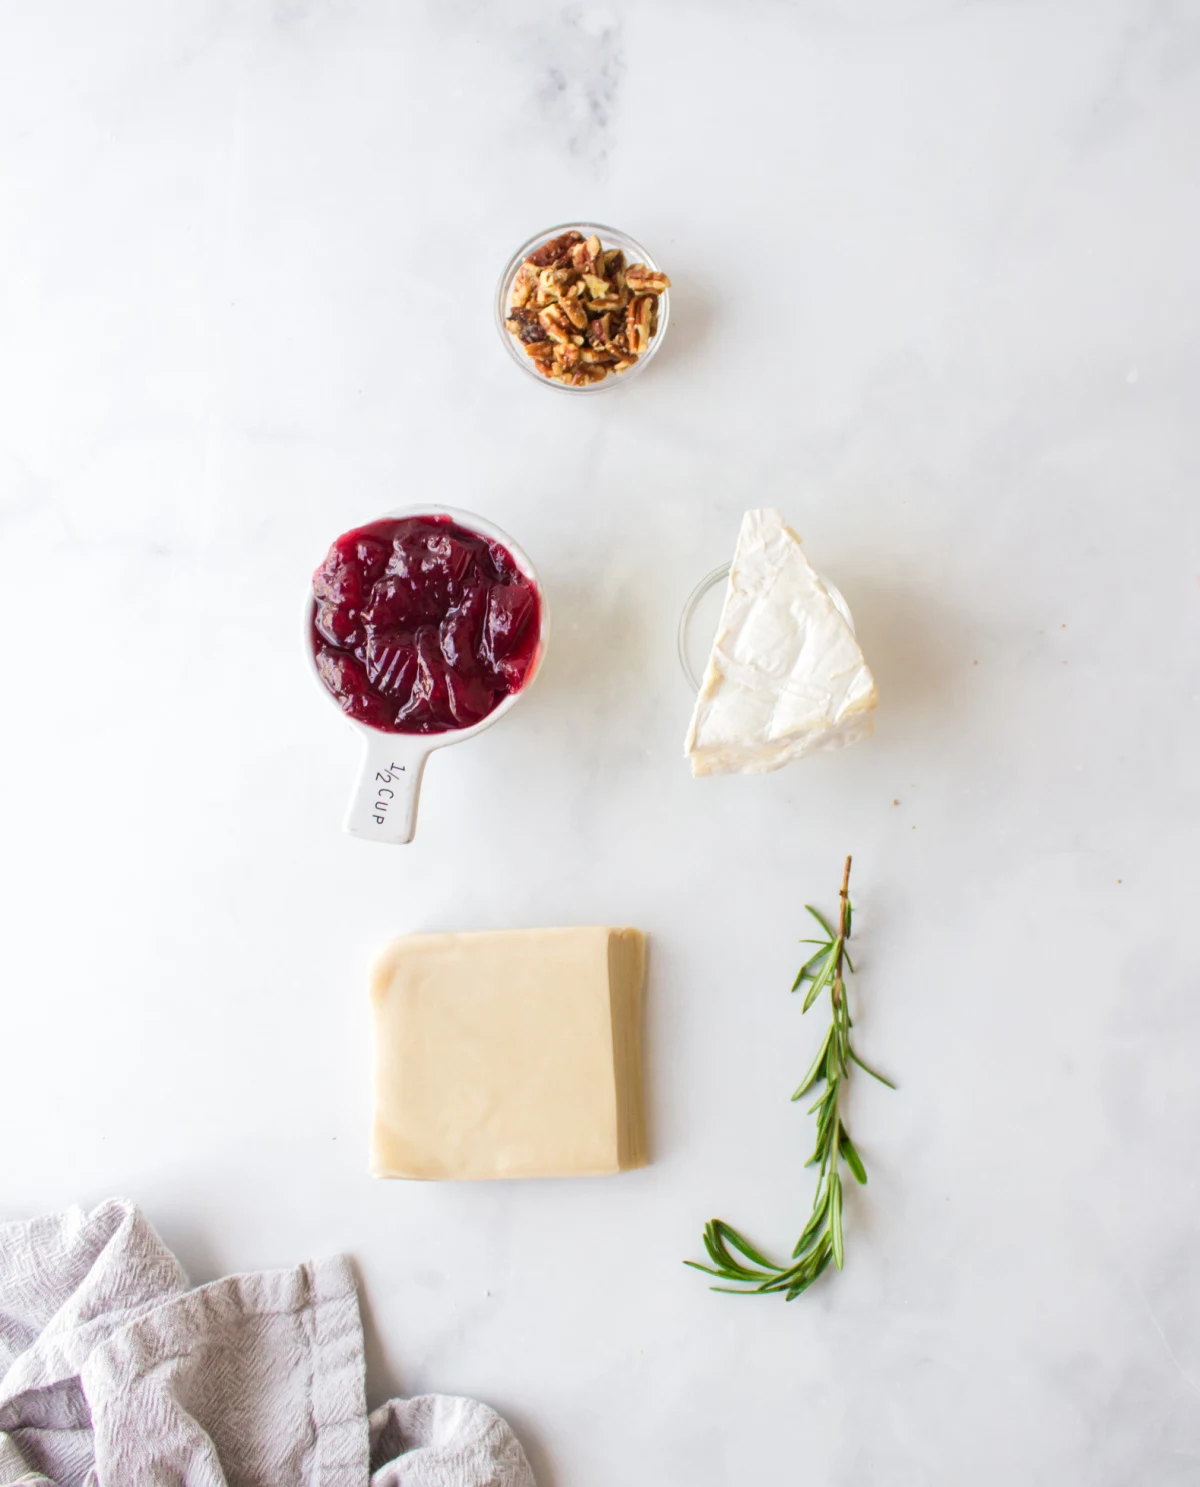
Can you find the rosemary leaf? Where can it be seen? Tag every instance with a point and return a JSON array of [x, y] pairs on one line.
[[815, 1069], [805, 971], [853, 1160], [731, 1236], [812, 1228], [820, 983], [835, 1220], [821, 1267], [867, 1069]]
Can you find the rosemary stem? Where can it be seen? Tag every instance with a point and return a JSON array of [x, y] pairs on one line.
[[844, 898], [837, 996], [821, 1240]]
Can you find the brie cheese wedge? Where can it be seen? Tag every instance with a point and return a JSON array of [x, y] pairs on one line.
[[786, 676]]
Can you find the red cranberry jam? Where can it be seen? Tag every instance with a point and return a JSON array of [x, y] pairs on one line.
[[422, 626]]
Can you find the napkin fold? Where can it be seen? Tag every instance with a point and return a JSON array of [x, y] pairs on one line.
[[113, 1372]]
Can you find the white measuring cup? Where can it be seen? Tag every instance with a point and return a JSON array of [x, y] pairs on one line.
[[383, 807]]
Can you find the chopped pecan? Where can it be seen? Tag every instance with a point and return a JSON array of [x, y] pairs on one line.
[[523, 285], [525, 325], [552, 282], [637, 324], [575, 312], [542, 350], [583, 375], [643, 280], [584, 256], [557, 250], [555, 323]]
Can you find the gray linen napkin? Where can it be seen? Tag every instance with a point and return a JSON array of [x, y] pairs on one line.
[[113, 1372]]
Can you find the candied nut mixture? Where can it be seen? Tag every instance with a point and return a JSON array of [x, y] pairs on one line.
[[580, 312]]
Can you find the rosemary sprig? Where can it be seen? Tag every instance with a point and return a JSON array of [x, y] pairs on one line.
[[734, 1259]]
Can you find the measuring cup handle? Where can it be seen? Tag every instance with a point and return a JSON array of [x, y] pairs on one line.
[[384, 805]]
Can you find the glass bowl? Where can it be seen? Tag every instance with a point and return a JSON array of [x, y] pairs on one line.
[[702, 614], [609, 238]]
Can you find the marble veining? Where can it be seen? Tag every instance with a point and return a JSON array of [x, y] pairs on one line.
[[578, 90]]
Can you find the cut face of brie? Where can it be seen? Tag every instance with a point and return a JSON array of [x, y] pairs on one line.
[[786, 676]]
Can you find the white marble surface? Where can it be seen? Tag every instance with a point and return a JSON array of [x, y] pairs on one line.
[[937, 285]]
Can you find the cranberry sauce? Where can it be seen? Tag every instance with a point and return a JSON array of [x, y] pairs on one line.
[[422, 626]]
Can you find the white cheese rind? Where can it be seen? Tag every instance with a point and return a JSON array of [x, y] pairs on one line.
[[786, 676]]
